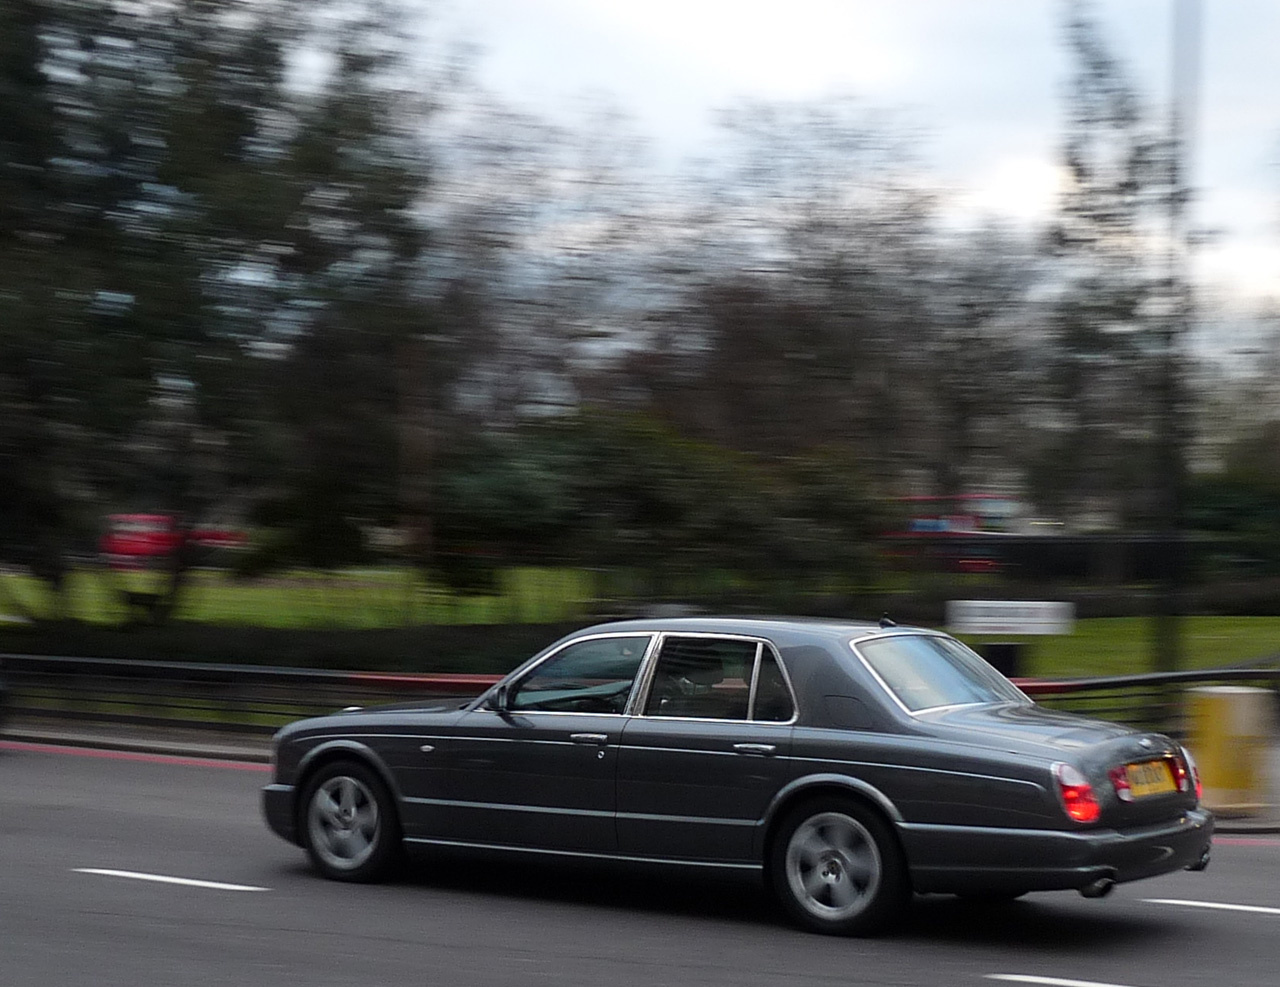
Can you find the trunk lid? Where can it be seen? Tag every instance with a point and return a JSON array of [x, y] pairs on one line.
[[1095, 747]]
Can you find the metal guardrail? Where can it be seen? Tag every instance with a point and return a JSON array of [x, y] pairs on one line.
[[1153, 700], [254, 699], [247, 699]]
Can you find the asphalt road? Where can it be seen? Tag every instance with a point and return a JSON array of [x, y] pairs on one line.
[[491, 922]]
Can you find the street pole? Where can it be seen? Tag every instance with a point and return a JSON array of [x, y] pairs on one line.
[[1172, 411]]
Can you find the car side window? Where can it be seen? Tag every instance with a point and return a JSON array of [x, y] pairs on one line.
[[585, 677], [707, 678], [773, 700]]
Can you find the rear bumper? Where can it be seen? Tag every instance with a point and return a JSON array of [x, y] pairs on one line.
[[970, 858], [278, 809]]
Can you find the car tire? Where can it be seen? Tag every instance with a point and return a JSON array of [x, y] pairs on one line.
[[348, 823], [836, 867]]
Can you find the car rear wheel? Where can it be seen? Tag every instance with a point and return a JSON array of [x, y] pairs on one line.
[[837, 869], [349, 824]]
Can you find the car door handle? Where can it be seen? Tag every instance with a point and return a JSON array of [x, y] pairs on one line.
[[589, 738], [760, 750]]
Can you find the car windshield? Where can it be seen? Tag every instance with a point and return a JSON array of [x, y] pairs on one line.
[[927, 671]]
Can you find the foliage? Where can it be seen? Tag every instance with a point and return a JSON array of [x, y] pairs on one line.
[[301, 599], [209, 267], [1243, 510], [267, 264], [1121, 645], [1108, 329], [621, 491]]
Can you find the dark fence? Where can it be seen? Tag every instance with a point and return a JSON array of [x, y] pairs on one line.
[[250, 699], [189, 695], [1153, 700]]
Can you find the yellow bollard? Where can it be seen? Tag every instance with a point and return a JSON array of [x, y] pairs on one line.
[[1230, 731]]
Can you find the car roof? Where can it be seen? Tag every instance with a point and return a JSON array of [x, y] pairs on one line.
[[768, 627]]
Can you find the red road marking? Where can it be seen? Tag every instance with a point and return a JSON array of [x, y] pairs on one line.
[[1243, 841], [190, 762]]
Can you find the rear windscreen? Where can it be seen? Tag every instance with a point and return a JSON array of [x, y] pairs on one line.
[[925, 671]]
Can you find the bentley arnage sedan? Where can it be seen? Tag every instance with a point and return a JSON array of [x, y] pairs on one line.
[[851, 763]]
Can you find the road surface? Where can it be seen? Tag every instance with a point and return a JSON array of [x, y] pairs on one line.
[[140, 870]]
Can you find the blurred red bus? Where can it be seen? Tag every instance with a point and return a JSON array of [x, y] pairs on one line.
[[933, 522], [961, 514], [134, 541]]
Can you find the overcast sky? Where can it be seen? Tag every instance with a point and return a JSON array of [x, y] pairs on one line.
[[983, 78]]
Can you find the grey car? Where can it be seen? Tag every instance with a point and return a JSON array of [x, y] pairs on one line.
[[851, 763]]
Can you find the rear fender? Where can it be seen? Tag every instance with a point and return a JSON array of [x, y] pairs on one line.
[[796, 790]]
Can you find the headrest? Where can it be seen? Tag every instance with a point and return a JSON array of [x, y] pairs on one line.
[[710, 672]]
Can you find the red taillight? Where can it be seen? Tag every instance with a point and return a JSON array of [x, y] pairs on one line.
[[1181, 776], [1077, 794], [1194, 772], [1120, 782]]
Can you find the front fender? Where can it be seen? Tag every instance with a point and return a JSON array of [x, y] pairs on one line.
[[333, 749]]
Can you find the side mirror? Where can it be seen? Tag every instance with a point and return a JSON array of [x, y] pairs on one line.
[[498, 700]]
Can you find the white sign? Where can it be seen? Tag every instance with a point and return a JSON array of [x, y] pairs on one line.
[[1009, 617]]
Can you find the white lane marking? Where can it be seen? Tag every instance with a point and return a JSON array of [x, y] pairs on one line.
[[162, 879], [1026, 978], [1221, 906]]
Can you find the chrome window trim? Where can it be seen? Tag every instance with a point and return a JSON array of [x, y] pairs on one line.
[[876, 635], [521, 713], [528, 668], [755, 680], [914, 713], [640, 696]]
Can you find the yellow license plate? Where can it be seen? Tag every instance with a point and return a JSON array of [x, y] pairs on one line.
[[1150, 778]]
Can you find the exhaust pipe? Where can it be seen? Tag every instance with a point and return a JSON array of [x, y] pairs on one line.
[[1099, 888]]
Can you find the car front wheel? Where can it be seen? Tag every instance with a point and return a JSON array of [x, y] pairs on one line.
[[349, 823], [837, 869]]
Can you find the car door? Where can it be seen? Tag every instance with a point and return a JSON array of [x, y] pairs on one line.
[[539, 771], [700, 765]]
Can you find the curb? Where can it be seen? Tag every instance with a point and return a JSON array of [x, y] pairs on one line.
[[1245, 827], [137, 745]]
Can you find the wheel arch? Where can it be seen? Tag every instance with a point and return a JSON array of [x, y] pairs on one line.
[[842, 786], [342, 750]]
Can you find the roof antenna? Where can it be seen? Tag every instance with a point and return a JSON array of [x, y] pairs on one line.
[[886, 622]]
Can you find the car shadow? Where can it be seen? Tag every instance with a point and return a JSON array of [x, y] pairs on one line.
[[631, 887], [625, 887], [1058, 923]]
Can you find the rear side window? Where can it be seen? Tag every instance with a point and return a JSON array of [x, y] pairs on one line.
[[926, 671], [718, 679], [707, 678], [772, 697]]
